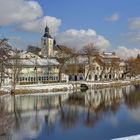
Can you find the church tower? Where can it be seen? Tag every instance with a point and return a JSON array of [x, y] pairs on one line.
[[47, 43]]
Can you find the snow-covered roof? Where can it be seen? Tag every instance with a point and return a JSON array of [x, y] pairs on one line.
[[28, 55], [40, 62], [108, 55], [122, 64]]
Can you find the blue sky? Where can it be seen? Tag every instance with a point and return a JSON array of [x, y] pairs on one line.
[[114, 24], [84, 14]]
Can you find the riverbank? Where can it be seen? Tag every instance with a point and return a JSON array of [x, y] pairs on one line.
[[43, 88], [110, 84], [69, 86]]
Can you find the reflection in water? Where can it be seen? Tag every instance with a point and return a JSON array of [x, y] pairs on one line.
[[133, 100], [32, 115], [6, 122]]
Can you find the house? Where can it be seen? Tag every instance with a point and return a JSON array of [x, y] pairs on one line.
[[105, 66], [32, 70]]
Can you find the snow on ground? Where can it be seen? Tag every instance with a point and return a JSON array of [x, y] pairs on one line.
[[137, 137], [45, 86]]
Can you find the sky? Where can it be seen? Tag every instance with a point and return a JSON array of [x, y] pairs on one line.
[[111, 25]]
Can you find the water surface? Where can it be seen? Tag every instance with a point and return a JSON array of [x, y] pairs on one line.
[[98, 114]]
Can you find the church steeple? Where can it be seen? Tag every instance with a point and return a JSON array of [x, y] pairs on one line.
[[47, 43], [47, 32]]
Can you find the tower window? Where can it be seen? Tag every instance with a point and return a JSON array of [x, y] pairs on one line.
[[44, 42]]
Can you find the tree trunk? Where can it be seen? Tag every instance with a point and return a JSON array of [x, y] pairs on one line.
[[87, 74], [60, 73]]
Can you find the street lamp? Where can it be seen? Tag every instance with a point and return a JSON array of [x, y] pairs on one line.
[[35, 69]]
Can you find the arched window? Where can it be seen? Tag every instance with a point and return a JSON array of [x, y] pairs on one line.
[[31, 79], [96, 77], [110, 76], [89, 77]]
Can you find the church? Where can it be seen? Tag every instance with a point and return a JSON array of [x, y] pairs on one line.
[[47, 44], [38, 65]]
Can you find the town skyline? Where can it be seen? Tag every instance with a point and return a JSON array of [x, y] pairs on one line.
[[112, 26]]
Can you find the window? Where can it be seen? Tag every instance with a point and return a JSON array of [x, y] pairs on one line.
[[110, 76], [31, 78], [89, 77], [44, 42], [96, 77], [56, 78], [39, 78], [22, 78], [28, 78]]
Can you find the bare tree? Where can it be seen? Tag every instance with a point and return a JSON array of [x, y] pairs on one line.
[[134, 66], [15, 68], [90, 51], [5, 51], [108, 67], [63, 60]]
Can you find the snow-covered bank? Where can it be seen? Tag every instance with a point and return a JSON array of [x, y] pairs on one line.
[[69, 86], [46, 88], [137, 137], [109, 84]]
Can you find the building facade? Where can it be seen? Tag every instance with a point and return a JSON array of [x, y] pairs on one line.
[[30, 68], [47, 44], [105, 66]]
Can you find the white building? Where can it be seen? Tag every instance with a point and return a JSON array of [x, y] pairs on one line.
[[105, 66], [35, 69]]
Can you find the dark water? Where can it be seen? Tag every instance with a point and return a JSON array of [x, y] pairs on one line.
[[93, 115]]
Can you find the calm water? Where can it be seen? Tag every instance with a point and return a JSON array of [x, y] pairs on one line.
[[100, 115]]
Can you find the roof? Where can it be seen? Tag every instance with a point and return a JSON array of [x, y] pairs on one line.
[[122, 64], [108, 55], [26, 54], [38, 62], [47, 32]]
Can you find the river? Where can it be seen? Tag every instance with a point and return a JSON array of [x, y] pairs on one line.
[[101, 114]]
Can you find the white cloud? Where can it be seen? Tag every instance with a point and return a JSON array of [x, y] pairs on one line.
[[38, 25], [17, 11], [27, 15], [113, 18], [78, 38], [125, 53], [134, 23], [134, 36], [134, 30]]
